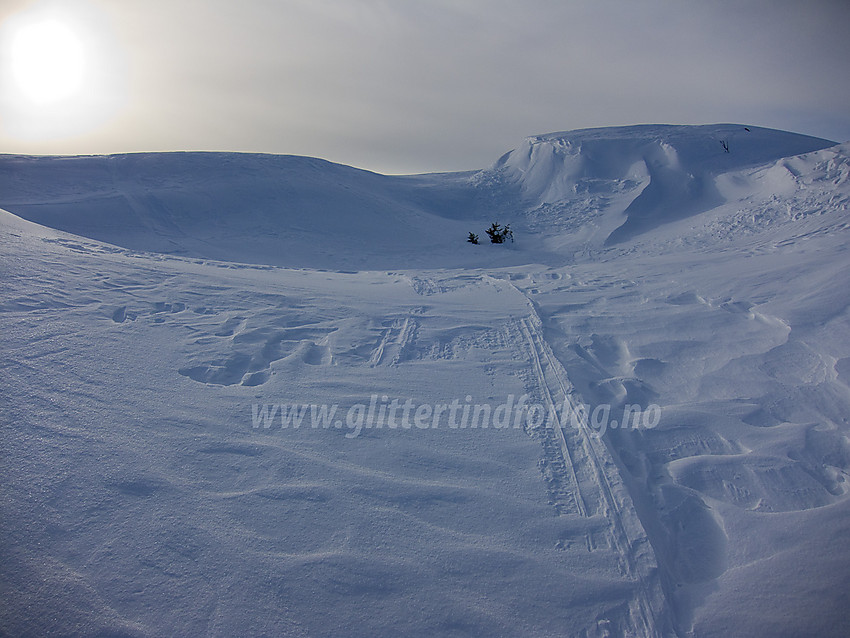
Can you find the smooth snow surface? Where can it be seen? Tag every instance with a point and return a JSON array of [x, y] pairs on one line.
[[149, 301]]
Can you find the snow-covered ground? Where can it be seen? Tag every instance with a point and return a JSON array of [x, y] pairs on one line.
[[160, 312]]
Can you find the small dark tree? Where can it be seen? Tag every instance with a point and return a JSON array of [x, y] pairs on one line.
[[495, 233], [498, 235], [472, 239], [725, 145]]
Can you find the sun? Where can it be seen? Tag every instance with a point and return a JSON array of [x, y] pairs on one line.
[[48, 61], [63, 74]]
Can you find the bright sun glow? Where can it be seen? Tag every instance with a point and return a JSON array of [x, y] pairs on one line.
[[48, 61], [63, 73]]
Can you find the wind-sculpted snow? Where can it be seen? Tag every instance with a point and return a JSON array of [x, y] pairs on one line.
[[576, 190], [158, 479], [650, 175], [263, 209]]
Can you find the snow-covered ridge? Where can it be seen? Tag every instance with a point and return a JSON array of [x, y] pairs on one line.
[[649, 174], [610, 153], [598, 186], [273, 209]]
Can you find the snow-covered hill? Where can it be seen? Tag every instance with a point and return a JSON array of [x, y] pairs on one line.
[[155, 308], [612, 184], [590, 187], [265, 209]]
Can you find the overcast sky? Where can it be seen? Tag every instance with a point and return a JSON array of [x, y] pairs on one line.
[[430, 85]]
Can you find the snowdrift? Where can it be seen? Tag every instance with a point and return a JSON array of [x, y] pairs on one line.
[[632, 179], [280, 210]]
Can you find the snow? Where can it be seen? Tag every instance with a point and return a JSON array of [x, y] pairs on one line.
[[151, 304]]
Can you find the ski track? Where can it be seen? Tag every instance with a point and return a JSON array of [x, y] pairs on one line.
[[578, 458], [395, 341]]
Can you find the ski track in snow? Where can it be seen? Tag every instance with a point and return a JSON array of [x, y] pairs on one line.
[[395, 342], [597, 490]]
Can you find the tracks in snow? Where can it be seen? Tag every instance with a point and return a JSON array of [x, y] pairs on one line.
[[394, 342], [585, 482]]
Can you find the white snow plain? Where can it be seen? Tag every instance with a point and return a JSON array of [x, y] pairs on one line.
[[150, 304]]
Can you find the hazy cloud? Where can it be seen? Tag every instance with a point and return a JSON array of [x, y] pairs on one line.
[[404, 86]]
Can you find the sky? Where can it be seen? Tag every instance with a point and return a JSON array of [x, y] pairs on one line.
[[407, 86]]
